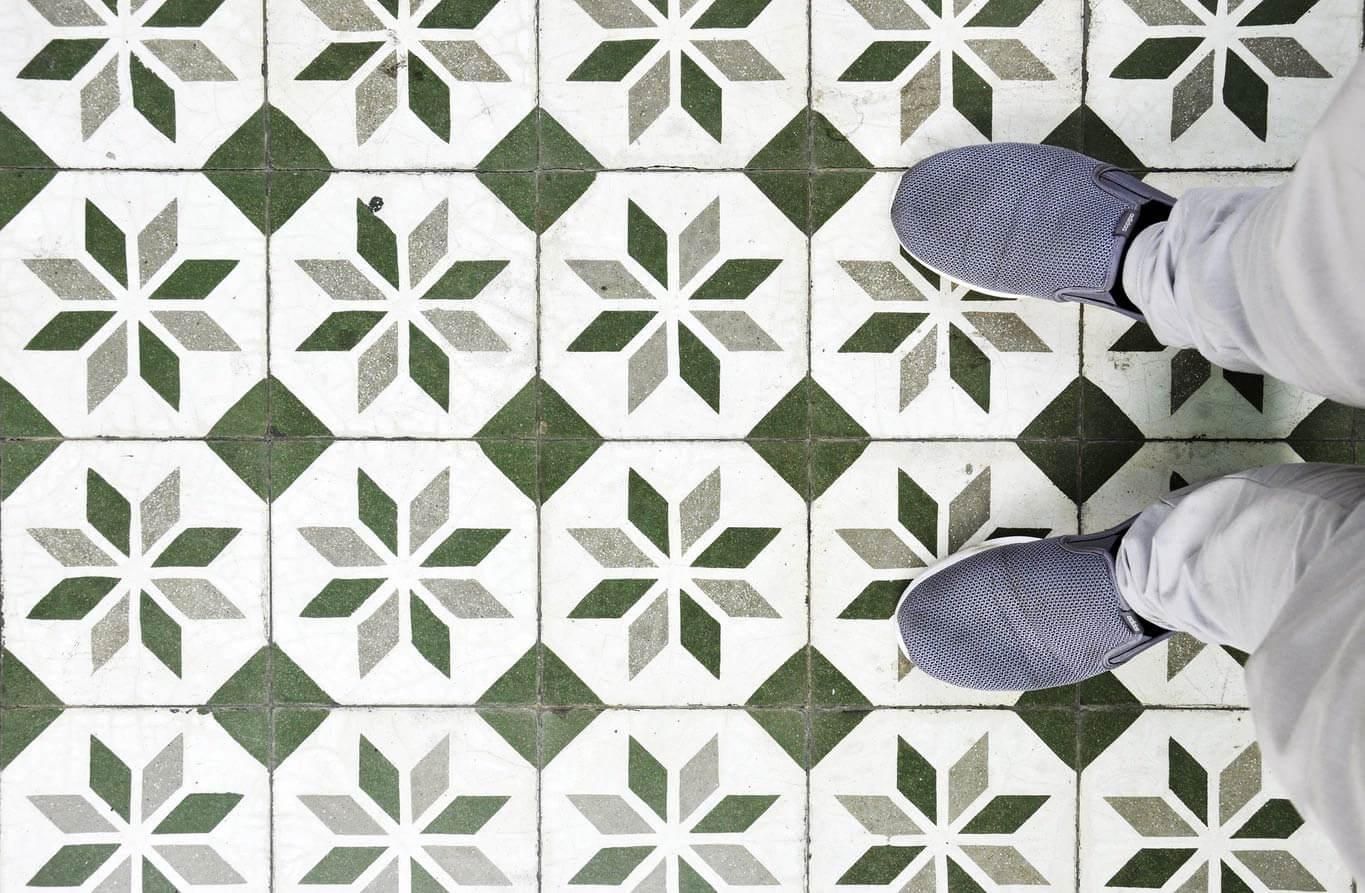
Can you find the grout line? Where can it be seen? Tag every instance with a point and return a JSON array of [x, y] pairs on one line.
[[269, 460], [3, 712], [540, 707], [537, 430], [808, 717], [562, 170], [726, 439]]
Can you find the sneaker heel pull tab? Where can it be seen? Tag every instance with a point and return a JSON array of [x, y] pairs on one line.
[[1124, 226]]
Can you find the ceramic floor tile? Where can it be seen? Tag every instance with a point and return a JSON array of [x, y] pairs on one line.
[[925, 800], [116, 798], [412, 305], [134, 572], [674, 305], [1184, 671], [1160, 467], [1182, 801], [1227, 84], [898, 509], [134, 304], [903, 78], [909, 353], [1170, 392], [673, 800], [479, 444], [154, 84], [405, 799], [407, 84], [695, 84], [404, 573], [674, 574]]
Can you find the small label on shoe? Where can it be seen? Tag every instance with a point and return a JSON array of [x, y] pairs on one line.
[[1125, 223]]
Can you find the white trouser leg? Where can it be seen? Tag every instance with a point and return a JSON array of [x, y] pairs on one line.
[[1270, 280], [1272, 561]]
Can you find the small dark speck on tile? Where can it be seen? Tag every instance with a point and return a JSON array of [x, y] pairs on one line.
[[375, 203]]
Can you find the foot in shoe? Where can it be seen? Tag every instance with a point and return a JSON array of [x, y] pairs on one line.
[[1019, 614], [1017, 219]]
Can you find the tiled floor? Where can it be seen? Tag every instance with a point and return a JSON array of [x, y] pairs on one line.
[[472, 444]]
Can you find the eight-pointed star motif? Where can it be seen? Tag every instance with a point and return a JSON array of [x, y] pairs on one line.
[[965, 824], [672, 306], [160, 575], [684, 33], [1190, 371], [1179, 828], [1228, 36], [412, 48], [952, 321], [135, 280], [127, 43], [681, 559], [958, 44], [672, 823], [407, 305], [885, 550], [415, 562], [405, 828], [164, 843]]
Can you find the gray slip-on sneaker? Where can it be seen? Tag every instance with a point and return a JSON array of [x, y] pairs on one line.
[[1020, 613], [1024, 220]]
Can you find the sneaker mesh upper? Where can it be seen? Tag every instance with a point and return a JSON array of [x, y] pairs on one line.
[[1016, 617], [1009, 217]]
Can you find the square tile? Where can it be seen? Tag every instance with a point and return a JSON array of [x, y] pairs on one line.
[[674, 573], [1227, 84], [693, 84], [1175, 393], [674, 305], [909, 353], [1184, 671], [673, 800], [919, 799], [155, 84], [405, 573], [403, 305], [1170, 392], [1182, 800], [1160, 467], [134, 573], [898, 509], [405, 799], [408, 84], [134, 304], [903, 79], [113, 795]]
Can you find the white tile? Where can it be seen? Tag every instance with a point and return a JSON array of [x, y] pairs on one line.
[[162, 283], [869, 532], [425, 95], [699, 338], [674, 574], [916, 800], [442, 551], [442, 316], [107, 796], [405, 797], [134, 573], [714, 83], [705, 789]]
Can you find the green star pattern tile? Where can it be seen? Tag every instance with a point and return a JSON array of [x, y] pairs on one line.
[[479, 444]]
